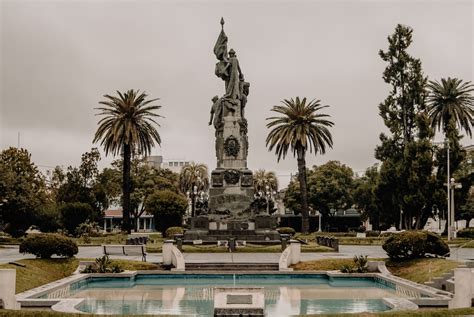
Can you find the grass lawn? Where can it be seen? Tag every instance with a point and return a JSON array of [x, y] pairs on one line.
[[41, 271], [322, 265], [249, 248], [418, 270], [421, 270]]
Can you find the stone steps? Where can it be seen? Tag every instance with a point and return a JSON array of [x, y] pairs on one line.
[[231, 266], [444, 282]]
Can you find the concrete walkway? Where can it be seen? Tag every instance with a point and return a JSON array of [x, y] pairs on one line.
[[10, 253]]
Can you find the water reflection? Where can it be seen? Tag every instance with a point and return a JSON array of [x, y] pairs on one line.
[[198, 301]]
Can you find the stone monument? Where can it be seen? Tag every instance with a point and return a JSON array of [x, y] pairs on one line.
[[231, 192]]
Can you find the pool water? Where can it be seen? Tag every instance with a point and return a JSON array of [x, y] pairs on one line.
[[192, 295]]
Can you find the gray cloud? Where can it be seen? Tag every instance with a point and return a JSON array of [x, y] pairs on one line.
[[59, 57]]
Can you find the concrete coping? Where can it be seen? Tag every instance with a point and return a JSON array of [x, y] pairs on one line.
[[399, 303], [68, 305]]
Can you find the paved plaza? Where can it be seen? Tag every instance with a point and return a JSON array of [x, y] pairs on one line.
[[10, 253]]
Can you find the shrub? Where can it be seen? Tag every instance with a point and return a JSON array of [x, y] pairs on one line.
[[46, 244], [466, 233], [103, 265], [372, 233], [360, 265], [286, 230], [171, 231], [415, 244]]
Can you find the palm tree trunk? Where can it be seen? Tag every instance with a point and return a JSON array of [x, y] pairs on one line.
[[304, 193], [126, 188]]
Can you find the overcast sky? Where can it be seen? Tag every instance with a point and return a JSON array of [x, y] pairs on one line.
[[59, 57]]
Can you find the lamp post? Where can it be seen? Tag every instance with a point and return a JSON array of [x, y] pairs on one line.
[[453, 185], [319, 220], [448, 178]]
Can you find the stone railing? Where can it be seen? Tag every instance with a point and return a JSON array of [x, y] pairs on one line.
[[330, 242], [172, 256], [291, 255]]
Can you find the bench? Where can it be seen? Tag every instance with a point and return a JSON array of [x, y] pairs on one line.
[[119, 249]]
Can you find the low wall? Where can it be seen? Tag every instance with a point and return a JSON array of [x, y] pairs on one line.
[[7, 289], [463, 288], [172, 256], [291, 255]]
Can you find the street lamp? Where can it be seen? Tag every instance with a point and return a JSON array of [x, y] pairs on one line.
[[448, 177], [453, 185]]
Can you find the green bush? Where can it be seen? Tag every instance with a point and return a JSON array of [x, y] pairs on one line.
[[103, 265], [466, 233], [372, 233], [415, 244], [171, 231], [286, 230], [44, 245]]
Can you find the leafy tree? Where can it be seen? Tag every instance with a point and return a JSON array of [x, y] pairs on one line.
[[144, 180], [84, 183], [22, 190], [127, 127], [168, 208], [364, 195], [301, 127], [330, 187], [195, 180], [73, 214], [406, 181]]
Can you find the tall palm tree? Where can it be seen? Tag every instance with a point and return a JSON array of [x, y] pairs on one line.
[[262, 179], [194, 179], [127, 127], [451, 103], [300, 128]]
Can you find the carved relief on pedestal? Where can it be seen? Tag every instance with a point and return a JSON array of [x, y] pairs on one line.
[[217, 179], [231, 146], [231, 176]]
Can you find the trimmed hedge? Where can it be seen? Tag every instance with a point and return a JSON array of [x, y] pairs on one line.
[[286, 230], [171, 231], [44, 245], [415, 244], [466, 233]]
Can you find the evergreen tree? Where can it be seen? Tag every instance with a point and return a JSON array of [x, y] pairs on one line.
[[406, 182]]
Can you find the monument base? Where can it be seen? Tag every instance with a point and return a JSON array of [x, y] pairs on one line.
[[213, 228]]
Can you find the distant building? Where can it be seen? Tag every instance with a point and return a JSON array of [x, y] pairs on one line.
[[155, 161], [175, 166], [113, 219]]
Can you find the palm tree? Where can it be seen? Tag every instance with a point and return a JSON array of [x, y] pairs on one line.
[[127, 127], [262, 179], [300, 128], [194, 179], [450, 103]]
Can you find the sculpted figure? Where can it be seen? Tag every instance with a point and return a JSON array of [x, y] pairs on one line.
[[235, 77], [216, 113], [244, 88]]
